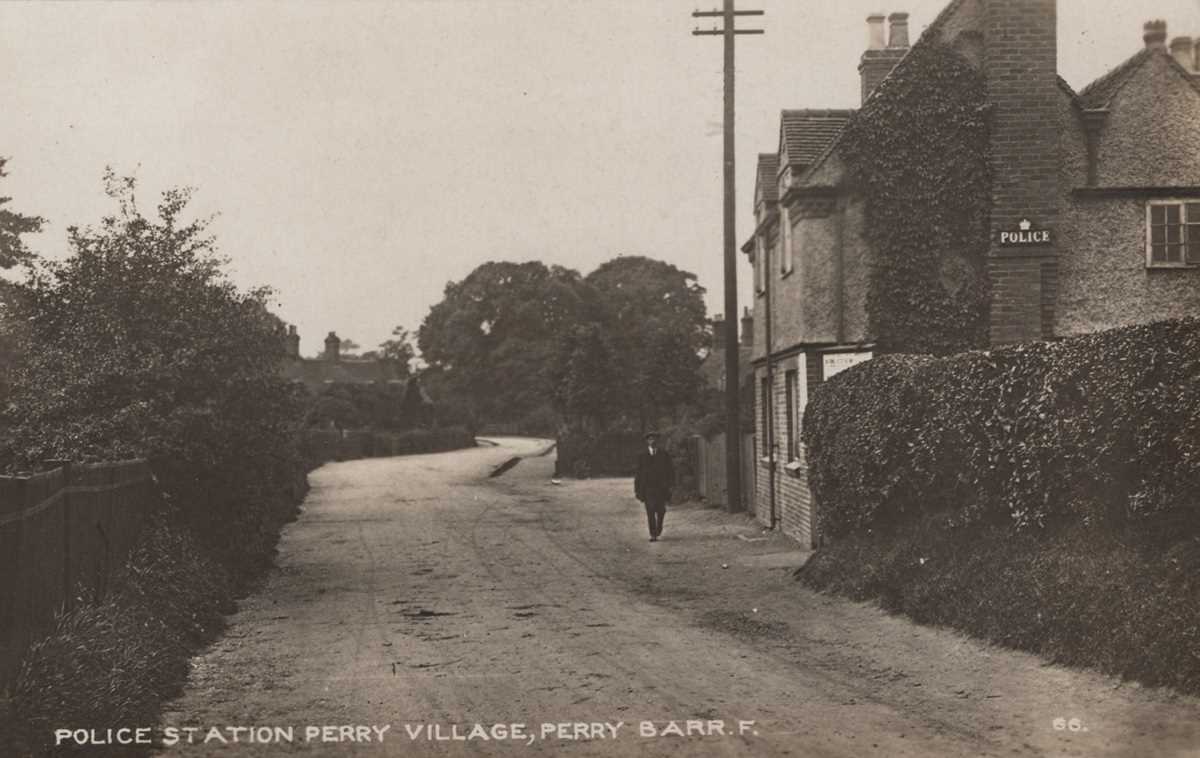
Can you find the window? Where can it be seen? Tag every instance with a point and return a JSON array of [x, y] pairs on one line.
[[1173, 233], [765, 416], [759, 255], [791, 388], [785, 260]]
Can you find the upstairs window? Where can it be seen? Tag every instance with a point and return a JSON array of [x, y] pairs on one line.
[[792, 386], [759, 256], [1173, 234], [785, 260]]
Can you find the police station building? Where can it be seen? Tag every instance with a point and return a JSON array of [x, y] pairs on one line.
[[1094, 217]]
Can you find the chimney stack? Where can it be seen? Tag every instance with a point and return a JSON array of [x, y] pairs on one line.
[[1155, 35], [333, 347], [747, 328], [881, 57], [1183, 48], [718, 324], [898, 30], [292, 342], [875, 31]]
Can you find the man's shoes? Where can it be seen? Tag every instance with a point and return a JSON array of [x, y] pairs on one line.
[[654, 539]]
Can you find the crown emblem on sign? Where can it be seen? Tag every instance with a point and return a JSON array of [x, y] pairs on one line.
[[1025, 224]]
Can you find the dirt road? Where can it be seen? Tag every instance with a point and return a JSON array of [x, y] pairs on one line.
[[420, 607]]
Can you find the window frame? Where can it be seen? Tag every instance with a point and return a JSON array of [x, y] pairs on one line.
[[1184, 224], [786, 261], [791, 388], [759, 264]]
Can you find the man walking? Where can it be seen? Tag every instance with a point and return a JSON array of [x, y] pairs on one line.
[[652, 483]]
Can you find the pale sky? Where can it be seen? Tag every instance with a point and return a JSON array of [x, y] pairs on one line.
[[360, 155]]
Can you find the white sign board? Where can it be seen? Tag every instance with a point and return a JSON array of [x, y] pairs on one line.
[[835, 363]]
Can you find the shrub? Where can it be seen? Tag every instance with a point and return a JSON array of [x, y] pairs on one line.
[[1094, 428]]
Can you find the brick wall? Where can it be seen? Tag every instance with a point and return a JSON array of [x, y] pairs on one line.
[[1020, 65], [793, 499]]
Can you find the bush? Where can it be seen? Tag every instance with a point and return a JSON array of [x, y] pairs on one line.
[[1099, 428], [112, 661], [1123, 602]]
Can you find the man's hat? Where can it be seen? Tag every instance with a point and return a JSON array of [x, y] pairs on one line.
[[650, 434]]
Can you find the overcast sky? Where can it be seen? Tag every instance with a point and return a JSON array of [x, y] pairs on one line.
[[360, 155]]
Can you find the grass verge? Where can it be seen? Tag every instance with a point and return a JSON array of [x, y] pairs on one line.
[[1125, 603]]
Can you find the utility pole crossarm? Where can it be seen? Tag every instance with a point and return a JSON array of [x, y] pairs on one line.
[[720, 33], [719, 14]]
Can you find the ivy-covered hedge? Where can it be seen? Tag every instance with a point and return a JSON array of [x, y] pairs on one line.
[[917, 152], [1093, 428]]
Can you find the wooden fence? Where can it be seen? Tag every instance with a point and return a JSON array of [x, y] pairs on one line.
[[62, 533], [710, 470]]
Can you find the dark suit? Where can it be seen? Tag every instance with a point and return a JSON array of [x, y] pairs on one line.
[[652, 485]]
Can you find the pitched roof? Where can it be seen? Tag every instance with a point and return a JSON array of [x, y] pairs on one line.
[[318, 371], [768, 176], [1100, 93], [805, 134]]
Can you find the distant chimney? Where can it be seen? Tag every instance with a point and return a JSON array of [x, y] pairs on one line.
[[1155, 35], [333, 347], [718, 325], [898, 30], [747, 328], [292, 342], [1184, 51], [880, 58]]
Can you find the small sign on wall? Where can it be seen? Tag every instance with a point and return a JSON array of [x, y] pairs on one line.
[[836, 363], [1025, 234]]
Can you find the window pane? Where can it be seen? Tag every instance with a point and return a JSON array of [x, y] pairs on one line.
[[1174, 234], [1172, 214], [1193, 212], [1158, 234], [1193, 233], [1158, 253], [1174, 253], [1193, 253], [1158, 214]]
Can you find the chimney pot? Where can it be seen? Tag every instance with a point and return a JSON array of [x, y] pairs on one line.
[[292, 342], [898, 32], [1183, 50], [875, 29], [1155, 34], [747, 328]]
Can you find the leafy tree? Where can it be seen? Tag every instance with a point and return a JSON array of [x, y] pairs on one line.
[[655, 317], [12, 252], [399, 348], [12, 227], [585, 377], [139, 346], [492, 335]]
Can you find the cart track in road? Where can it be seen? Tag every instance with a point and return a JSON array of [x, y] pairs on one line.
[[419, 590]]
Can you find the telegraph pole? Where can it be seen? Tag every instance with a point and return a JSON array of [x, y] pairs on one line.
[[733, 417]]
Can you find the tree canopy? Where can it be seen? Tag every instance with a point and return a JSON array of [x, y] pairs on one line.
[[621, 345], [139, 346]]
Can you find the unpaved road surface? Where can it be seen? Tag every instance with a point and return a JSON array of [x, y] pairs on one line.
[[417, 593]]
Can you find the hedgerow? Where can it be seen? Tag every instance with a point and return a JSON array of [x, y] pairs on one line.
[[1098, 428]]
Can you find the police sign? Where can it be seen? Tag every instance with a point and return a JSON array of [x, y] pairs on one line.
[[1025, 235]]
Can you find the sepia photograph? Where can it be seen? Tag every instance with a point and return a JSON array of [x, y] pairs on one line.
[[535, 378]]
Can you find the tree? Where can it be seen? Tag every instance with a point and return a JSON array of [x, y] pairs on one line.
[[139, 346], [399, 348], [655, 317], [493, 334], [585, 377], [12, 252], [12, 227]]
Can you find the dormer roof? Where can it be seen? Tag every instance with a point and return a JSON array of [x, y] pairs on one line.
[[804, 134]]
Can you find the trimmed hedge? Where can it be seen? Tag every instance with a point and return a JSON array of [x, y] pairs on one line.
[[321, 445], [1095, 428]]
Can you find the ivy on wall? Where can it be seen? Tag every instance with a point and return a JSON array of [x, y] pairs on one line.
[[918, 153]]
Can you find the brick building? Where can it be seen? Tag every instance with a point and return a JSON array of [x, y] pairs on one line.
[[1094, 217]]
